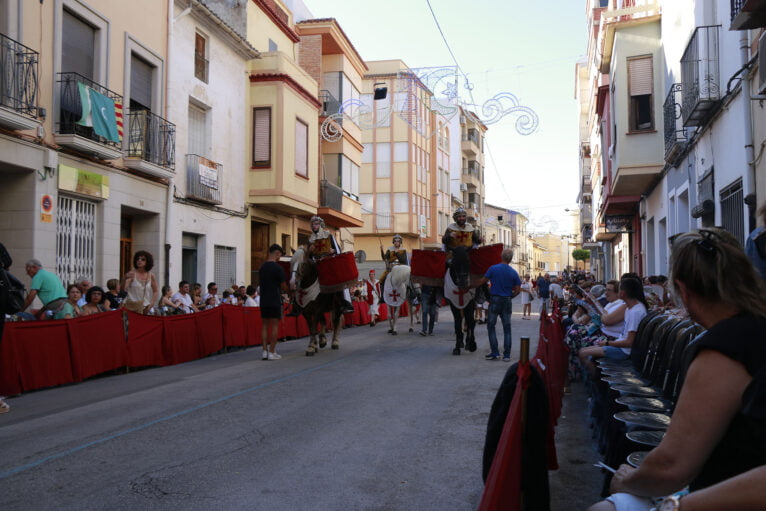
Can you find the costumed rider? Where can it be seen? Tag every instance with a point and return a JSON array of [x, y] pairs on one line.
[[323, 244], [393, 256], [460, 233]]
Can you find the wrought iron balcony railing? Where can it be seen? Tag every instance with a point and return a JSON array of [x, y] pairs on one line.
[[700, 77], [18, 81], [151, 138], [330, 105], [71, 110], [736, 8], [204, 179], [471, 135], [747, 14], [675, 133], [330, 195]]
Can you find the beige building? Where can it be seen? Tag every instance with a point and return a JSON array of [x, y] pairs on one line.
[[399, 160], [78, 190], [472, 136], [553, 255]]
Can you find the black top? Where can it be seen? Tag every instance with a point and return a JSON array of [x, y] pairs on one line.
[[271, 276], [743, 446]]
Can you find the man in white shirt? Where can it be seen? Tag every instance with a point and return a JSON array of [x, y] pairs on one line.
[[555, 289], [210, 299], [187, 304]]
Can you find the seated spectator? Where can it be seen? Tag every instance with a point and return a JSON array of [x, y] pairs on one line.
[[716, 432], [210, 299], [631, 291], [196, 295], [183, 296], [252, 300], [113, 295], [227, 298], [167, 304], [84, 284], [93, 299], [45, 285], [69, 308]]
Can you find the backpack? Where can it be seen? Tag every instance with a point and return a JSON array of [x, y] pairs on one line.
[[12, 293]]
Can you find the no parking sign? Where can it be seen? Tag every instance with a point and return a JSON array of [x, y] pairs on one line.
[[46, 209]]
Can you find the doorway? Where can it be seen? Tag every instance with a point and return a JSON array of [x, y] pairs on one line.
[[189, 257], [259, 249]]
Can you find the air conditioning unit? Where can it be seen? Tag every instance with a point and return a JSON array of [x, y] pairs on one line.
[[762, 65], [463, 187]]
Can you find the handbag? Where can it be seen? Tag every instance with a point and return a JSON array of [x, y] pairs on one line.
[[12, 293]]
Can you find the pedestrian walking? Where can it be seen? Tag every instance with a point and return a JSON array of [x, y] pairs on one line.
[[504, 285], [526, 298], [543, 290], [141, 285], [272, 285]]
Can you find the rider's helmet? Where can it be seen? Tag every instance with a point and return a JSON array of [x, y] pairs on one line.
[[458, 211], [317, 218], [397, 238]]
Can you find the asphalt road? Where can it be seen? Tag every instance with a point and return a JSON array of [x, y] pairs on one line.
[[384, 423]]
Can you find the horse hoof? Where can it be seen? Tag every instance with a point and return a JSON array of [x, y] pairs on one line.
[[309, 353], [335, 347], [456, 351], [390, 331], [322, 344], [411, 330], [471, 346]]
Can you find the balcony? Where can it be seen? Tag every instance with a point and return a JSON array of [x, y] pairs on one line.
[[471, 142], [586, 186], [330, 105], [339, 208], [80, 133], [151, 144], [700, 78], [586, 215], [675, 133], [18, 85], [748, 14], [204, 179], [625, 13]]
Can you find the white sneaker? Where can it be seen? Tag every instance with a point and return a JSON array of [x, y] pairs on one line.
[[265, 355], [274, 356]]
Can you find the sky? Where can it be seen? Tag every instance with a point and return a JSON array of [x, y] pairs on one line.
[[528, 49]]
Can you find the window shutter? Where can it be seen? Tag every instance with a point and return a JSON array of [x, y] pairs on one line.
[[301, 149], [197, 131], [262, 136], [78, 46], [140, 83], [641, 76]]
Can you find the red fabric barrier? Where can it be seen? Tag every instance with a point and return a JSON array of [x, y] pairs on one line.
[[180, 342], [288, 327], [303, 326], [234, 328], [42, 352], [209, 330], [97, 344], [382, 312], [10, 382], [145, 340], [253, 324], [502, 489], [364, 313]]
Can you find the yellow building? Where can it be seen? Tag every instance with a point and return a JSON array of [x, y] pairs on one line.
[[79, 196], [472, 170], [399, 160]]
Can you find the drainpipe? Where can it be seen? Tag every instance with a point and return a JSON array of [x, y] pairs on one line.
[[169, 193], [747, 117]]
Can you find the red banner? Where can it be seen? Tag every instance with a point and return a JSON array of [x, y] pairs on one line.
[[41, 352], [209, 330], [97, 344], [145, 339]]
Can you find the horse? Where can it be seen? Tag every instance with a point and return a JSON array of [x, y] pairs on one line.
[[314, 304], [397, 289], [461, 299]]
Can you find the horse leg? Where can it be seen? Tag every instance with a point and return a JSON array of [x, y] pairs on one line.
[[470, 338], [322, 332], [337, 323], [457, 315], [312, 348], [391, 320], [412, 317]]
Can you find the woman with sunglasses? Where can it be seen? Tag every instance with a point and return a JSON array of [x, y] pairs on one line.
[[141, 285], [717, 427]]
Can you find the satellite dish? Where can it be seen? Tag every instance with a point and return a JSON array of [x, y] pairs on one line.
[[360, 256]]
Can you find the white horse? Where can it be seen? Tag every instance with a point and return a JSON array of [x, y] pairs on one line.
[[398, 289]]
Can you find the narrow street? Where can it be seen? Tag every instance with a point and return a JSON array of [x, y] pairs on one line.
[[383, 423]]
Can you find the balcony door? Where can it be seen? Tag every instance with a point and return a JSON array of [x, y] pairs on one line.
[[259, 248]]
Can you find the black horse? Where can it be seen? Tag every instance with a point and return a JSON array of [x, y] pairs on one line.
[[461, 300], [314, 311]]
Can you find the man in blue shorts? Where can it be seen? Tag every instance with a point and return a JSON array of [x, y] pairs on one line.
[[504, 285]]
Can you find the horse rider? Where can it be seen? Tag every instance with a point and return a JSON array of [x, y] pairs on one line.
[[322, 244], [460, 233], [393, 256]]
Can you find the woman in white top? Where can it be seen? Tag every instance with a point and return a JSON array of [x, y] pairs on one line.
[[526, 298], [141, 285]]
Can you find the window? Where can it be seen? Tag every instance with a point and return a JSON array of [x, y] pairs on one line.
[[141, 80], [225, 273], [383, 112], [366, 200], [262, 137], [641, 78], [383, 203], [273, 46], [733, 211], [401, 151], [78, 46], [340, 87], [349, 177], [401, 202], [198, 132], [75, 239], [200, 57], [367, 153], [301, 148], [383, 159]]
